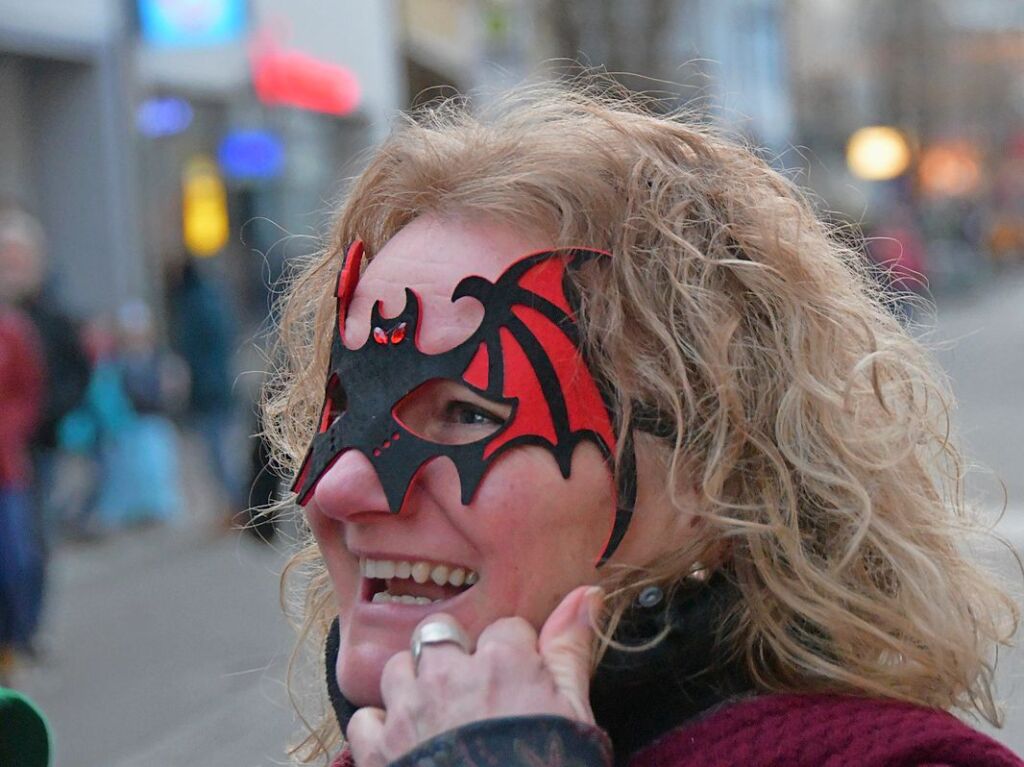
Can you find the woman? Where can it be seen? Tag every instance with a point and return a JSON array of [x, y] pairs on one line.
[[592, 369]]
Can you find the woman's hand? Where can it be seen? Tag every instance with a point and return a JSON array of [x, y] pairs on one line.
[[513, 672]]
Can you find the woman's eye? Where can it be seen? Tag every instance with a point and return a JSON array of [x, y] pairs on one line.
[[465, 414], [447, 412]]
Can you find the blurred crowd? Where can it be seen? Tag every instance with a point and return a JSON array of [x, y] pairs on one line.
[[93, 415], [942, 249], [933, 244]]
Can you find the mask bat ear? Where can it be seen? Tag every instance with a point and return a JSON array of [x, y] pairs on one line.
[[347, 280]]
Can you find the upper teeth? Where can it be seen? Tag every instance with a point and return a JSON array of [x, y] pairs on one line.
[[421, 572]]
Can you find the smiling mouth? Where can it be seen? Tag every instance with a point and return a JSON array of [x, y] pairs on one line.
[[413, 583]]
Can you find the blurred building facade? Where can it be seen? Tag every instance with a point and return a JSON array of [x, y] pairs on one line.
[[724, 58], [64, 141], [75, 76], [785, 73], [949, 75]]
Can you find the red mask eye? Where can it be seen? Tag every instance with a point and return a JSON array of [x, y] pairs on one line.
[[380, 336], [337, 402], [398, 334]]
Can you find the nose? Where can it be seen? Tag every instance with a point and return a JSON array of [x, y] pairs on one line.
[[349, 487]]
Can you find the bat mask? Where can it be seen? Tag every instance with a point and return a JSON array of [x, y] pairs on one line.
[[525, 354]]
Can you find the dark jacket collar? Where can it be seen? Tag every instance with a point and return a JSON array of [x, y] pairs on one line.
[[639, 695]]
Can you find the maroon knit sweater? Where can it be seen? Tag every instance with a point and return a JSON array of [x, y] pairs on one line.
[[825, 731], [809, 731]]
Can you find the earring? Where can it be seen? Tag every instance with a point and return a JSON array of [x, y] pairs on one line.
[[699, 572], [650, 597]]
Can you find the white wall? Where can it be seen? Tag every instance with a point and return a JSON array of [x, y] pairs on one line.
[[64, 141]]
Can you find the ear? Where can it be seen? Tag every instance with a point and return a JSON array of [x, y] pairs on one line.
[[663, 521]]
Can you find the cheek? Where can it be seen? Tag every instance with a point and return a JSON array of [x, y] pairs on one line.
[[342, 567], [544, 533]]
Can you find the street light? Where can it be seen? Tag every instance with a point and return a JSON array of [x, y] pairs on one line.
[[878, 153]]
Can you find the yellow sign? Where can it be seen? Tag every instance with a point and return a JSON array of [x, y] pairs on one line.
[[204, 208], [878, 153]]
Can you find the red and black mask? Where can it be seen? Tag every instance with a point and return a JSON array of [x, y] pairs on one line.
[[525, 354]]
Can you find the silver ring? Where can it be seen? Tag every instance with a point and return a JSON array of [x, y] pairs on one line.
[[436, 632]]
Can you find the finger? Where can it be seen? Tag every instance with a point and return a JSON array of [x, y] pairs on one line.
[[397, 678], [366, 737], [565, 645], [441, 655], [516, 632]]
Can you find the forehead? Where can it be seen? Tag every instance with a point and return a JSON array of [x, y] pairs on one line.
[[431, 255]]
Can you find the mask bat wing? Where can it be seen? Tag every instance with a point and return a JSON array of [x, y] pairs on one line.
[[530, 353]]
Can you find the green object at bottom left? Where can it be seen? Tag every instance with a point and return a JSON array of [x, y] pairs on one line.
[[24, 732]]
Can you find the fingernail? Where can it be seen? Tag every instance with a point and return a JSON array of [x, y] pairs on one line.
[[593, 601]]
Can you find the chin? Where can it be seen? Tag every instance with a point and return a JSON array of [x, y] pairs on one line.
[[359, 670]]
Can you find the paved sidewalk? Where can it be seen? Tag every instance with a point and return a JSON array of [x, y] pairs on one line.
[[166, 646], [165, 649]]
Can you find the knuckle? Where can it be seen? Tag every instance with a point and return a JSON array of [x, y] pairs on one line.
[[501, 651], [394, 670], [513, 631], [436, 675], [356, 723], [517, 624], [494, 653]]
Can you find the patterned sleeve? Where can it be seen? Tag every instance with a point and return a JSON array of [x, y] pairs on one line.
[[521, 741]]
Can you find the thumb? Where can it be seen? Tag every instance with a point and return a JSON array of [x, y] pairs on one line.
[[565, 645]]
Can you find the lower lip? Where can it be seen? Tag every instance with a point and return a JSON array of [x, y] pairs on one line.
[[400, 611]]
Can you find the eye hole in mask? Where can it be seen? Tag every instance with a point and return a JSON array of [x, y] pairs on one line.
[[336, 402], [447, 412]]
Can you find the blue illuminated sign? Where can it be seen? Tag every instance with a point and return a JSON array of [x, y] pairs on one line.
[[177, 23], [250, 155], [163, 116]]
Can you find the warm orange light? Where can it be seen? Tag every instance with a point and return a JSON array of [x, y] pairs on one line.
[[878, 153], [950, 169]]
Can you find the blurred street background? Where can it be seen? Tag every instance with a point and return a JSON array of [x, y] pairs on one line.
[[161, 162]]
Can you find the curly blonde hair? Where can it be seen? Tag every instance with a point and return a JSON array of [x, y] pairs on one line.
[[813, 427]]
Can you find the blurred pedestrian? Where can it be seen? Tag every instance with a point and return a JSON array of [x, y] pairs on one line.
[[22, 381], [23, 270], [90, 433], [204, 333], [141, 476], [897, 248]]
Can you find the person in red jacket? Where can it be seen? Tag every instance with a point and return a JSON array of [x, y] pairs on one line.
[[610, 453], [22, 389]]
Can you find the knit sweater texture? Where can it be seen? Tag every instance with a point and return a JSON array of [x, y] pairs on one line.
[[825, 731], [762, 731]]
